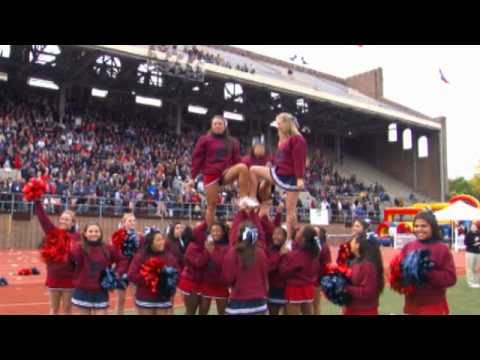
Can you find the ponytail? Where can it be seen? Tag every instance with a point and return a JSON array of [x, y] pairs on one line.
[[247, 240], [312, 242], [369, 250]]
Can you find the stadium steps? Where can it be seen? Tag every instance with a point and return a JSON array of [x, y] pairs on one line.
[[368, 174]]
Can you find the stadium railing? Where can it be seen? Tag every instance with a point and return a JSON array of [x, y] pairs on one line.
[[14, 203]]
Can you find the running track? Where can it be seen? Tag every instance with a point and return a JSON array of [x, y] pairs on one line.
[[27, 295]]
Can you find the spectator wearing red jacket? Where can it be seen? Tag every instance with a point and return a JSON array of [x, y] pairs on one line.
[[431, 299], [300, 267], [288, 171], [324, 258], [59, 279], [245, 269], [148, 302], [217, 157], [367, 280], [92, 257]]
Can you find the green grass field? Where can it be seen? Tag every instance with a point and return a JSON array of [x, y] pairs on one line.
[[462, 301]]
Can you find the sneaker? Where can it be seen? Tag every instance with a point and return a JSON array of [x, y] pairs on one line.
[[475, 286], [252, 202], [243, 202]]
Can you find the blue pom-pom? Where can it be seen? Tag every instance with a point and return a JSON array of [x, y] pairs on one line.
[[169, 278], [131, 244], [415, 266], [334, 287], [3, 281], [108, 279]]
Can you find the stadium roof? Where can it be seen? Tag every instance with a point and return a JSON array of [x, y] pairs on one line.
[[308, 83]]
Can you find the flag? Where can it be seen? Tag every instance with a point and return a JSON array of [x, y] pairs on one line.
[[442, 77]]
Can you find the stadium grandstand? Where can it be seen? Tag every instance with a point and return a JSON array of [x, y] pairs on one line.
[[114, 126]]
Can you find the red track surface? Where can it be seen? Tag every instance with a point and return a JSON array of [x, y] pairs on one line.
[[27, 295]]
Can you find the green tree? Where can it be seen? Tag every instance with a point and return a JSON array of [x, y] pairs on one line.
[[475, 185], [460, 186]]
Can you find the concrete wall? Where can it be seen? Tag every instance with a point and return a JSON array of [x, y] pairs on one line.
[[423, 175]]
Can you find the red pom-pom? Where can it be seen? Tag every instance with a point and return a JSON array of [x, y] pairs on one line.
[[395, 277], [56, 246], [34, 189], [344, 254], [118, 237], [25, 272], [150, 272], [343, 269]]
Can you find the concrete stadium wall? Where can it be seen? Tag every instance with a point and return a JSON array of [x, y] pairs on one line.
[[27, 234], [423, 175]]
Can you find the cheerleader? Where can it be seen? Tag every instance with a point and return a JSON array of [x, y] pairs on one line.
[[289, 167], [191, 276], [247, 214], [367, 279], [259, 157], [92, 257], [300, 267], [430, 299], [324, 258], [148, 300], [217, 157], [245, 269], [359, 226], [128, 224], [276, 293], [210, 262], [59, 279], [177, 243], [267, 224]]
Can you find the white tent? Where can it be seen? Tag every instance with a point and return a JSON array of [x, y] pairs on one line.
[[458, 211]]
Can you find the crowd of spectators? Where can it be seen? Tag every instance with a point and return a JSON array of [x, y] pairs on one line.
[[192, 53], [117, 162], [96, 157], [343, 197]]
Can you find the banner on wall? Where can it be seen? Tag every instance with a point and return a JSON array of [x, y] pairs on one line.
[[319, 217]]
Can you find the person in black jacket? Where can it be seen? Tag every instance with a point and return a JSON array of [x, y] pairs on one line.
[[472, 255]]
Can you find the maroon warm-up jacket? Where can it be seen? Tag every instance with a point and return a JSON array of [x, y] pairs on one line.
[[143, 293], [211, 156], [90, 263], [59, 275], [290, 158], [246, 283], [299, 268], [441, 277], [364, 286]]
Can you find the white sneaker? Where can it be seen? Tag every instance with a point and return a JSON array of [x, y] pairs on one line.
[[252, 202], [243, 202], [474, 286]]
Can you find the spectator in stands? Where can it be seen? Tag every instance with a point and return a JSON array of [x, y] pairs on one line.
[[141, 167]]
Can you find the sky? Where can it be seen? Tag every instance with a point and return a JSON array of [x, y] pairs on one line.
[[411, 77]]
